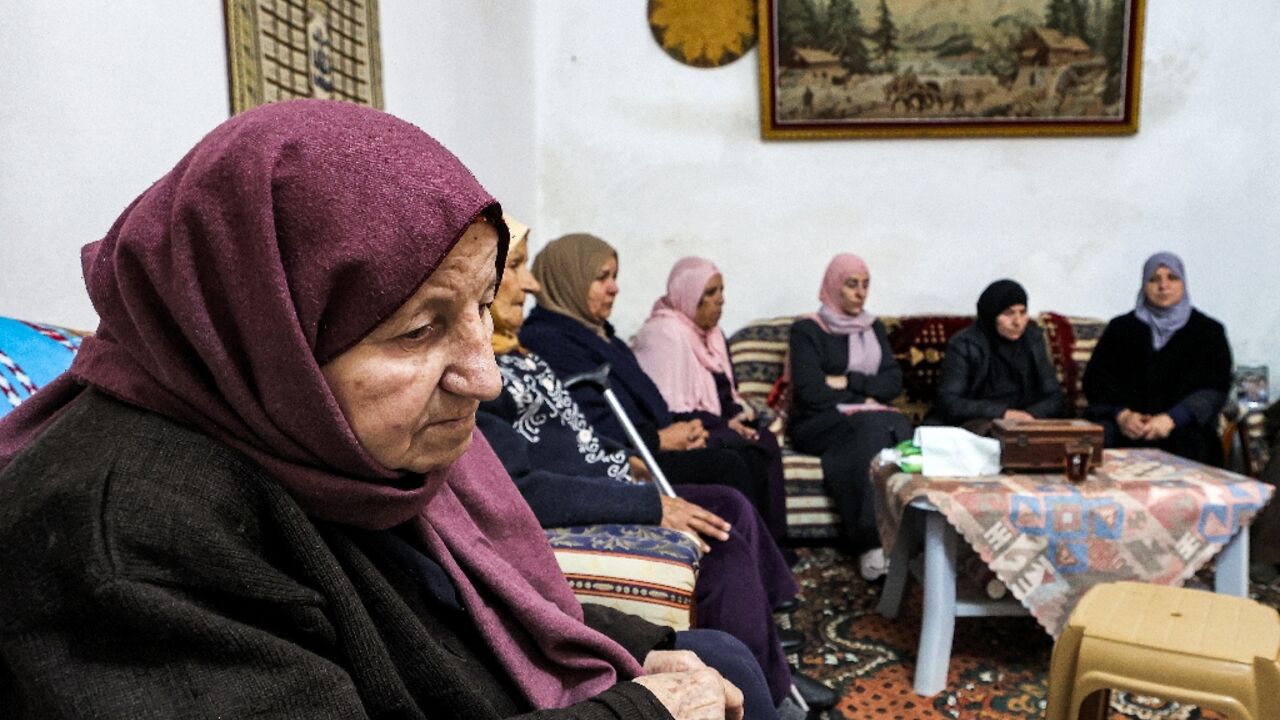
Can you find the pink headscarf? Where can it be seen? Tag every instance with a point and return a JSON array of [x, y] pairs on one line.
[[675, 353], [864, 347], [283, 238]]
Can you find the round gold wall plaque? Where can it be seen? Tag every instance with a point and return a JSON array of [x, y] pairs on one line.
[[704, 33]]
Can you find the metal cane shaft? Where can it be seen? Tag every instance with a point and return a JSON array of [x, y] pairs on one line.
[[659, 478]]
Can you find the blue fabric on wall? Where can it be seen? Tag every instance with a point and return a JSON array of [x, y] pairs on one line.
[[31, 356]]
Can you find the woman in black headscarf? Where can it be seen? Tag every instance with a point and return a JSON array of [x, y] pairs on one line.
[[998, 367], [1160, 374]]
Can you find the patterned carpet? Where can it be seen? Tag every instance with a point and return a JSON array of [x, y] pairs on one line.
[[999, 666]]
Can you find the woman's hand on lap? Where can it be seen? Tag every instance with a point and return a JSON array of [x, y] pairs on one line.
[[695, 695], [680, 514]]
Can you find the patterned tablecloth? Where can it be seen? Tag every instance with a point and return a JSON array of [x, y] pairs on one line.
[[1144, 515]]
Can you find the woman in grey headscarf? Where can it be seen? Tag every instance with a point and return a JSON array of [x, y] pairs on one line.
[[1160, 374]]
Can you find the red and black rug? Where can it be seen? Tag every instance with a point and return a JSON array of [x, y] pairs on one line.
[[999, 666]]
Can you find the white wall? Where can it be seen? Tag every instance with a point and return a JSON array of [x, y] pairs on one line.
[[665, 160], [463, 71], [99, 103], [571, 114]]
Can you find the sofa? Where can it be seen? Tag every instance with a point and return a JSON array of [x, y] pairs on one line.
[[919, 343], [645, 571]]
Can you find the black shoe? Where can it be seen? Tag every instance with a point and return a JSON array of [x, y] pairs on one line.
[[816, 695], [789, 605], [791, 640]]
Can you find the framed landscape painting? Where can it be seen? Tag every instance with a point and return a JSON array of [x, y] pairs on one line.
[[913, 68]]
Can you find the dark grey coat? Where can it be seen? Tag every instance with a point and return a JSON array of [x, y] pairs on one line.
[[151, 572]]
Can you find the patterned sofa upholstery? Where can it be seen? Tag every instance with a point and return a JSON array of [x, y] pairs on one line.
[[919, 343], [646, 571], [639, 569], [31, 356]]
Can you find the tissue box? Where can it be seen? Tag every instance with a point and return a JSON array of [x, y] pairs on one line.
[[1043, 445]]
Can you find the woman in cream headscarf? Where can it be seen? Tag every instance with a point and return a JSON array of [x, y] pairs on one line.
[[572, 476]]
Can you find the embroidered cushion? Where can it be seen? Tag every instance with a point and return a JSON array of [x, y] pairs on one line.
[[31, 356], [639, 569]]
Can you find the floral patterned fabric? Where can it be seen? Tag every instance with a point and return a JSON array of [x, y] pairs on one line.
[[1145, 515], [539, 398]]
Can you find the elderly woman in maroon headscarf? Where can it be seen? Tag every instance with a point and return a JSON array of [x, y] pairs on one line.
[[257, 490], [843, 376], [683, 350]]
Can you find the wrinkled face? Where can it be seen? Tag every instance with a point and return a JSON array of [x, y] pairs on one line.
[[711, 305], [603, 289], [853, 293], [1164, 288], [1012, 322], [410, 388], [517, 283]]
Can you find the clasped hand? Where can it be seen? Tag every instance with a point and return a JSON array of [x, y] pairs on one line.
[[1137, 426], [684, 435]]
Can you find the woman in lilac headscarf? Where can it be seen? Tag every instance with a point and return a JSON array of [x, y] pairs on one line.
[[843, 377], [1159, 375], [258, 491]]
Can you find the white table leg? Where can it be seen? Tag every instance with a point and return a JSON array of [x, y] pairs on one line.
[[939, 622], [895, 585], [1231, 567]]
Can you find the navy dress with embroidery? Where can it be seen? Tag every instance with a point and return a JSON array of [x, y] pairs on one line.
[[572, 475]]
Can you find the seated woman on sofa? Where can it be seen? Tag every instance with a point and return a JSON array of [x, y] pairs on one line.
[[998, 367], [1160, 373], [572, 476], [570, 329], [843, 375], [258, 491], [683, 350]]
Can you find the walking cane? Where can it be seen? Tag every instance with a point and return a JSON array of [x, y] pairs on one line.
[[600, 379]]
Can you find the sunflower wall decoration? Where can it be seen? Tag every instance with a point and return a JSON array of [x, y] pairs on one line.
[[704, 33]]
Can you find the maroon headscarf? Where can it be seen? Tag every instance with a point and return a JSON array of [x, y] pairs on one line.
[[283, 238]]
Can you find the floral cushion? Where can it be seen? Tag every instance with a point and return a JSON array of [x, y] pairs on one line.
[[31, 356], [639, 569]]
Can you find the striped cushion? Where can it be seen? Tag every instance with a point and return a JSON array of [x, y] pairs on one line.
[[919, 343], [31, 356], [638, 569]]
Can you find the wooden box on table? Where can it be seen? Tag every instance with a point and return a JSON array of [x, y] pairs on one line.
[[1071, 446]]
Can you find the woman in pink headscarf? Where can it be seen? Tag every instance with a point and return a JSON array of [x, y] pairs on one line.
[[843, 376], [683, 350], [258, 490]]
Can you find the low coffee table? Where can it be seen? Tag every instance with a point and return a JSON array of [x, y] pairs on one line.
[[1144, 515]]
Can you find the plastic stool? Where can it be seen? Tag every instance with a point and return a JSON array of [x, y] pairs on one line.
[[1214, 651]]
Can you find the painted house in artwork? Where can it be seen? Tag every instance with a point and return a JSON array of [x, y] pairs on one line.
[[1044, 47], [814, 63]]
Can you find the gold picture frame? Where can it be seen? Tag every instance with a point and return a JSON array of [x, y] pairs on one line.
[[282, 49], [913, 68]]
